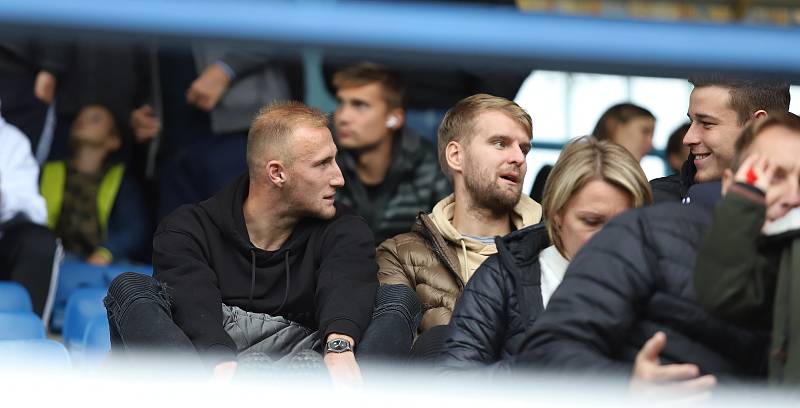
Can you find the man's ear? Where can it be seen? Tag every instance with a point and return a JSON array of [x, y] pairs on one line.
[[761, 113], [454, 154], [276, 173], [399, 116], [727, 180]]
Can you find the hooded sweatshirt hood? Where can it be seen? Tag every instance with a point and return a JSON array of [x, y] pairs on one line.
[[473, 252]]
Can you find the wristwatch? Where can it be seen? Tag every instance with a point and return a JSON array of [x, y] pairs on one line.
[[338, 346]]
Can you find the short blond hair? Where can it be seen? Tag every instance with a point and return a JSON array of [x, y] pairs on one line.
[[269, 133], [586, 159], [459, 122]]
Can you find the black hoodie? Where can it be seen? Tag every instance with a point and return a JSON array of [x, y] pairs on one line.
[[323, 276]]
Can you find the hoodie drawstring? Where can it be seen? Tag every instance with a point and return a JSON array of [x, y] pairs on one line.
[[252, 277], [466, 261], [286, 293], [253, 280]]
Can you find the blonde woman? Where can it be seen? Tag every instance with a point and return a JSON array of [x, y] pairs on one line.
[[591, 182]]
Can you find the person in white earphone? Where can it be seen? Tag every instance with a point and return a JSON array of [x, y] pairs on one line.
[[390, 173]]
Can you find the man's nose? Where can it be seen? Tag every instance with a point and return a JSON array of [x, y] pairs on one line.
[[793, 200], [338, 179], [517, 156], [341, 114], [691, 137]]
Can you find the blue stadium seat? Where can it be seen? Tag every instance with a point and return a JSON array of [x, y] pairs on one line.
[[72, 276], [96, 343], [34, 354], [84, 305], [14, 298], [20, 326]]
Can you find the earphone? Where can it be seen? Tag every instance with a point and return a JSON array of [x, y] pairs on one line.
[[391, 122]]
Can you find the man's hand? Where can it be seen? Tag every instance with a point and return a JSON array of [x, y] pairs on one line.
[[650, 376], [342, 367], [100, 257], [206, 91], [44, 88], [756, 171], [224, 371], [144, 123]]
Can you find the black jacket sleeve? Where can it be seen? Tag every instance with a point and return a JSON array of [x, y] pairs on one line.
[[180, 262], [732, 278], [591, 313], [348, 278], [479, 319]]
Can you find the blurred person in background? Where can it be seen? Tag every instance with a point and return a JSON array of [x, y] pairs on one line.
[[628, 125], [270, 268], [391, 173], [676, 151], [94, 206], [720, 106], [204, 96], [483, 141], [28, 250], [590, 184], [28, 77], [747, 266]]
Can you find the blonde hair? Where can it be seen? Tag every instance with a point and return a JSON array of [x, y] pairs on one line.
[[269, 133], [583, 160], [459, 122]]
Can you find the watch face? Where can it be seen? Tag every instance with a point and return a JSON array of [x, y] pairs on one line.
[[338, 345]]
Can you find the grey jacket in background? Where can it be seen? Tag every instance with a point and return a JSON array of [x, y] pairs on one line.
[[258, 82]]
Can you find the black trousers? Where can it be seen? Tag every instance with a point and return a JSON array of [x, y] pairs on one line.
[[142, 328], [140, 320], [27, 256], [390, 335]]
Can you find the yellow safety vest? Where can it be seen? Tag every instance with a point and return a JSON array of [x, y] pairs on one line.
[[51, 184]]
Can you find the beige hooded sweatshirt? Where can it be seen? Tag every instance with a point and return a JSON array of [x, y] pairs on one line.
[[473, 252]]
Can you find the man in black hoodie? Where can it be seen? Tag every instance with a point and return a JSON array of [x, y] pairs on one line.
[[270, 264]]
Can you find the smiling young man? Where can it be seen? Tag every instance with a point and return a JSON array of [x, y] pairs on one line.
[[271, 264], [719, 108], [390, 172]]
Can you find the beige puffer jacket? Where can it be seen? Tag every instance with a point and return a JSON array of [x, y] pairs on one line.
[[437, 261]]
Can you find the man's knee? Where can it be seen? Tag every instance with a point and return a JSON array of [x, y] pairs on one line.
[[129, 288], [398, 299]]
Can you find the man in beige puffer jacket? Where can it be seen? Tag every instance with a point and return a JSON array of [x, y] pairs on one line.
[[483, 141]]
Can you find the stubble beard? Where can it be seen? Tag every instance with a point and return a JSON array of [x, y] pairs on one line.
[[487, 194]]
